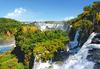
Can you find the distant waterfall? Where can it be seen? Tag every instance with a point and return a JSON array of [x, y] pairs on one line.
[[49, 26]]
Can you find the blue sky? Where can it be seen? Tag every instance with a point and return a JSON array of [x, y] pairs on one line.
[[31, 10]]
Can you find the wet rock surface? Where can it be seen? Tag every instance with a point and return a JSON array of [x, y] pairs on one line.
[[96, 66], [96, 39], [94, 55]]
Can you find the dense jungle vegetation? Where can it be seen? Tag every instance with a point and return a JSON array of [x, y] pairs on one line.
[[31, 42]]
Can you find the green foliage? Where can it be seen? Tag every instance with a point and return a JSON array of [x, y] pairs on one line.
[[88, 22], [90, 15], [96, 5], [39, 42], [11, 64], [45, 50], [9, 61], [45, 44], [24, 38], [6, 57], [98, 16], [83, 24], [8, 27], [87, 8]]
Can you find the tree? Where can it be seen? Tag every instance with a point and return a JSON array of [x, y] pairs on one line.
[[50, 41], [9, 61]]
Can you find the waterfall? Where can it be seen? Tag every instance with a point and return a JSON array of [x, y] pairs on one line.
[[48, 26], [40, 64], [74, 43], [79, 61], [77, 34]]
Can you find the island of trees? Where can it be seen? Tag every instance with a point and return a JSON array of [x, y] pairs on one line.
[[32, 42]]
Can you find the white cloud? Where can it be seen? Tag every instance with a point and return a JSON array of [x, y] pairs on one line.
[[16, 14], [68, 18]]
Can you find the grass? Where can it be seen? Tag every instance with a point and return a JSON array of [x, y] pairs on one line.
[[6, 57]]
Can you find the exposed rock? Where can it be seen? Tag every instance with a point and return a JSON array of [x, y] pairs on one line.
[[94, 55], [96, 66], [96, 39]]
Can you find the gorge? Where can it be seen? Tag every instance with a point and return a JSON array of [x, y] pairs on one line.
[[72, 44]]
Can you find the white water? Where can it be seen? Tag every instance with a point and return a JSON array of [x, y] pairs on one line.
[[45, 26], [41, 65], [77, 61], [74, 43]]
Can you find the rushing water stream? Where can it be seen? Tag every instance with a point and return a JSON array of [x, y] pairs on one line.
[[74, 43], [77, 61]]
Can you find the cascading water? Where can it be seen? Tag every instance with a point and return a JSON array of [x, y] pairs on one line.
[[60, 26], [40, 64], [79, 61], [74, 43], [43, 27]]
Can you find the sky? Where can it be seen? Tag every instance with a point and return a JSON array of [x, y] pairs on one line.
[[42, 10]]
